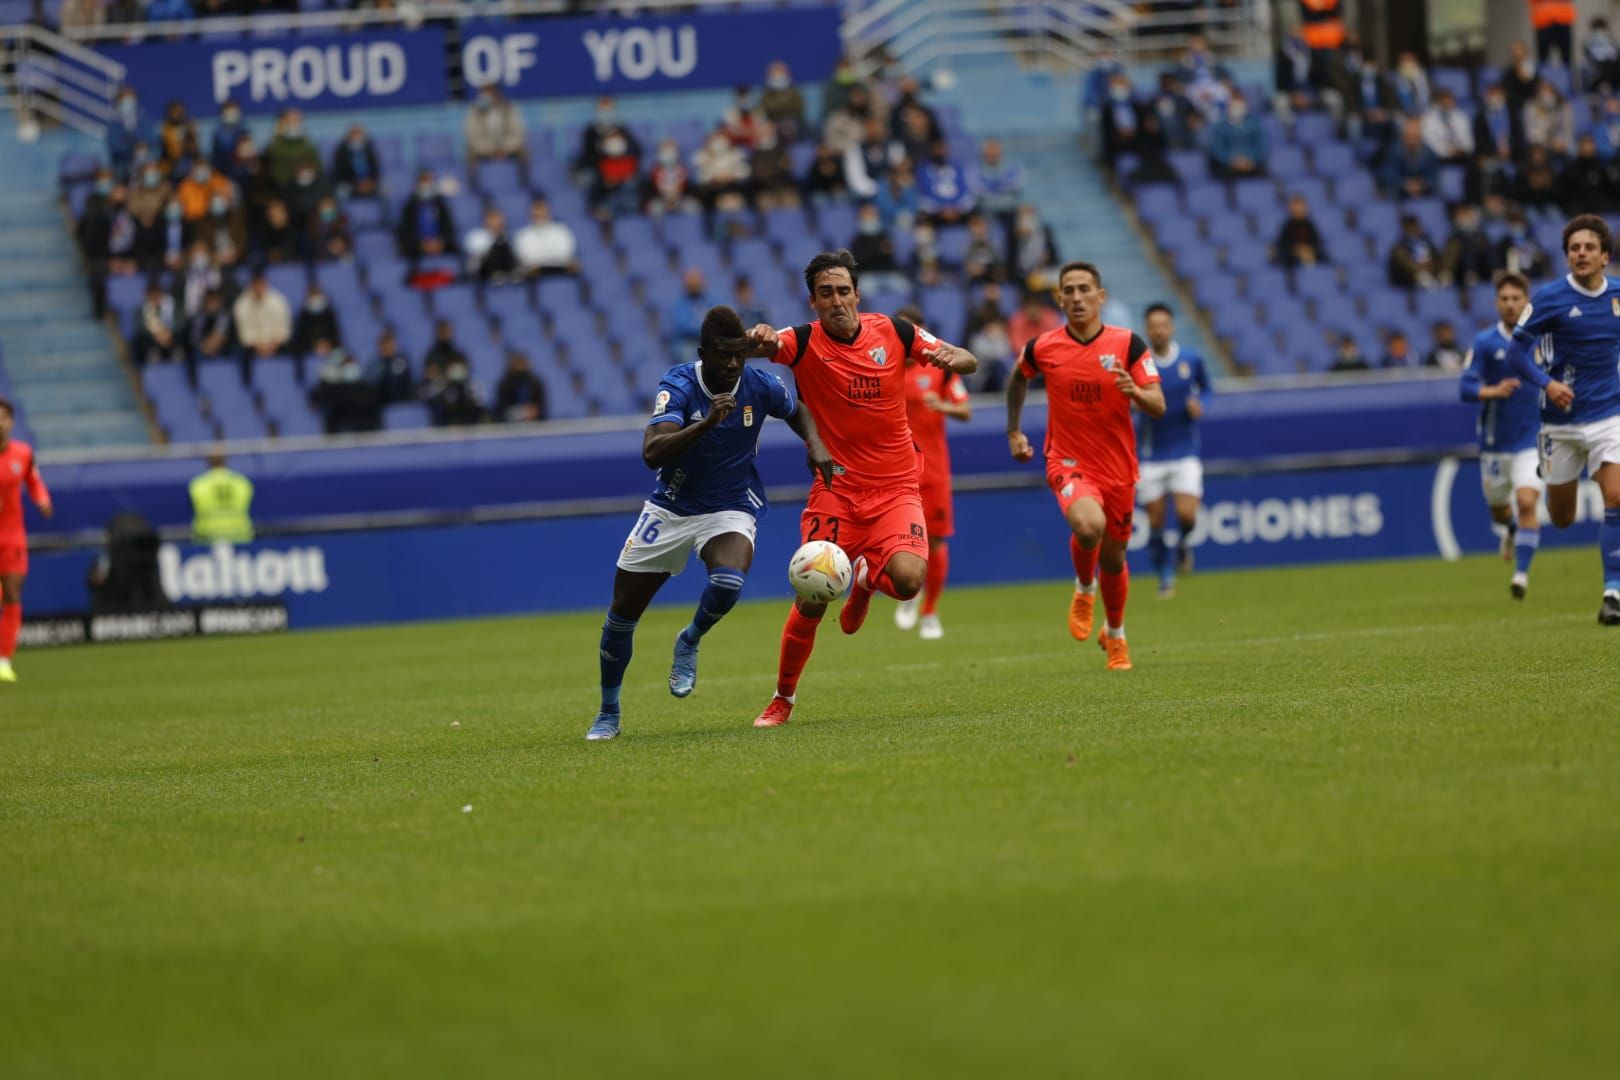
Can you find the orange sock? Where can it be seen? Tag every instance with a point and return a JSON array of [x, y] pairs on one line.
[[798, 640], [939, 564], [10, 624], [1085, 562], [1115, 587]]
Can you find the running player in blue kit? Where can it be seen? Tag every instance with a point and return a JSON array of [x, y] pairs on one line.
[[1168, 447]]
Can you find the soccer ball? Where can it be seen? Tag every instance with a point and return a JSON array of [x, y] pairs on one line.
[[819, 572]]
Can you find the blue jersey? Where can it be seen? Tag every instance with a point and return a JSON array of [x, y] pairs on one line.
[[1505, 426], [1182, 376], [1579, 336], [717, 472]]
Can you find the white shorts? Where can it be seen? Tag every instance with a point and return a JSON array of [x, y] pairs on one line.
[[661, 540], [1500, 475], [1566, 449], [1183, 476]]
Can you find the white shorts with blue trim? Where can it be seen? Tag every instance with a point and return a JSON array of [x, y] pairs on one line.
[[662, 541], [1500, 475], [1183, 476], [1567, 449]]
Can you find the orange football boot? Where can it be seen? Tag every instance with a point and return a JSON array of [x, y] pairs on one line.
[[776, 713], [1119, 654], [1080, 614]]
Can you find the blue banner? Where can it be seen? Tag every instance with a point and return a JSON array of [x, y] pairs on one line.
[[559, 57], [267, 74], [1268, 519]]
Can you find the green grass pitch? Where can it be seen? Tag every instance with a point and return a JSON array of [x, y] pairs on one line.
[[1340, 822]]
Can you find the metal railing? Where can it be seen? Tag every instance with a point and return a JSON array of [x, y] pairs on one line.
[[44, 75]]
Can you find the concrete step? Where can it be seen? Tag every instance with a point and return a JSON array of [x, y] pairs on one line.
[[32, 339], [42, 306], [89, 364], [21, 240], [74, 395], [120, 428]]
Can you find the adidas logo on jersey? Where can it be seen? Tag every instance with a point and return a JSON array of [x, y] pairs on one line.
[[1575, 312]]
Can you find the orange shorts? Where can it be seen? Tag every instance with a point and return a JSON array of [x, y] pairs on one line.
[[877, 522], [938, 512], [13, 558], [1117, 500]]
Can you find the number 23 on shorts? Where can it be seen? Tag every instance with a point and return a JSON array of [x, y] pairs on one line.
[[816, 522]]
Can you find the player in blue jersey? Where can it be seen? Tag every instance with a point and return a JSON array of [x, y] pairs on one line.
[[1509, 416], [1168, 447], [702, 438], [1575, 325]]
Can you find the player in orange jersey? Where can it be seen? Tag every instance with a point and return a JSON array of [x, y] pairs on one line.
[[1094, 374], [850, 370], [932, 395], [17, 472]]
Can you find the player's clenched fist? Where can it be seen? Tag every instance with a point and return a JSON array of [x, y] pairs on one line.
[[719, 409], [1018, 443], [764, 340]]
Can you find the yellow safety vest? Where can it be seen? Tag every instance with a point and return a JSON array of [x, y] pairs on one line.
[[220, 500]]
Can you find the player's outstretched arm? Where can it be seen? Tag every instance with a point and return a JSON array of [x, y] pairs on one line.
[[38, 491], [804, 426], [763, 342], [952, 358], [665, 443], [1017, 391]]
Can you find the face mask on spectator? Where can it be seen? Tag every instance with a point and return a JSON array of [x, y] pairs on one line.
[[669, 155], [305, 177], [218, 205], [614, 146], [316, 304], [457, 372], [127, 107], [292, 131], [871, 226], [1548, 99], [424, 190], [172, 211], [151, 178], [328, 214], [1119, 93], [605, 117], [200, 260], [779, 80], [202, 174], [1236, 112], [485, 101], [231, 117], [103, 187]]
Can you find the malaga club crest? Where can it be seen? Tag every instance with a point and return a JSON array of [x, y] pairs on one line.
[[1108, 361], [879, 355]]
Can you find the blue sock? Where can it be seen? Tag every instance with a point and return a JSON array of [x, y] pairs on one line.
[[1609, 545], [720, 596], [1525, 542], [1158, 553], [618, 639]]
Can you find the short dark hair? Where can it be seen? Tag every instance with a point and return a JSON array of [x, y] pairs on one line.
[[912, 314], [1090, 268], [1589, 223], [7, 408], [1155, 307], [1509, 277], [722, 331], [830, 260]]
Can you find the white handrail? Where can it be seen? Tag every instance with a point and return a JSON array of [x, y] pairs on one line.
[[50, 76]]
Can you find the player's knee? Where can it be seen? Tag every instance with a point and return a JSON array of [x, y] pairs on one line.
[[1562, 517]]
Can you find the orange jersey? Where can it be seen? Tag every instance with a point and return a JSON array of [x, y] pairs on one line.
[[18, 471], [857, 394], [928, 426], [1088, 421]]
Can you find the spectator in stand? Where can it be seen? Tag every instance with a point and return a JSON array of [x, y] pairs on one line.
[[1606, 130], [1590, 184], [1397, 351], [520, 396], [545, 246], [1498, 128], [824, 180], [122, 232], [263, 319], [996, 183], [1413, 261], [227, 133], [178, 142], [1299, 242], [982, 262], [1411, 170], [683, 319], [1032, 254], [914, 135], [615, 181], [425, 225], [874, 252], [1370, 104], [604, 122], [81, 14], [348, 403], [1198, 63], [1600, 59], [836, 90], [1520, 78], [1237, 144], [925, 248], [1446, 354], [846, 125], [1120, 121], [303, 199], [162, 246], [288, 149], [722, 173], [317, 320], [1348, 356], [491, 258], [908, 99], [169, 11], [783, 103], [444, 352], [772, 171], [1094, 90], [157, 327], [1180, 122], [451, 395], [355, 167], [211, 334], [669, 182], [278, 240], [195, 280], [1293, 75], [746, 301], [1554, 23], [985, 334], [390, 373], [150, 195], [1447, 131], [742, 119], [1518, 252], [494, 129], [1411, 85], [1549, 121], [224, 230], [329, 236], [1539, 183], [943, 195], [200, 187], [1034, 317], [867, 162], [1466, 259], [1489, 184], [897, 199]]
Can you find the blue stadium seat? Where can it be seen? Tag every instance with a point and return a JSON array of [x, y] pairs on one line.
[[1255, 196], [1313, 129], [1286, 163], [1334, 160], [1207, 200], [1191, 165], [499, 177], [406, 416]]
